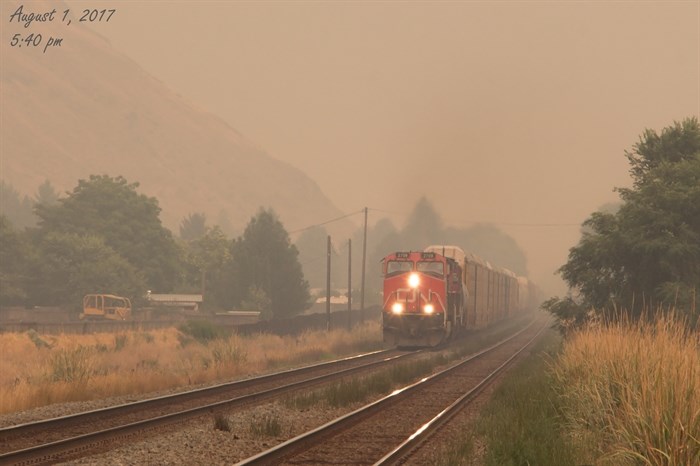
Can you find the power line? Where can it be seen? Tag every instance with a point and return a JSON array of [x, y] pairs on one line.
[[326, 222]]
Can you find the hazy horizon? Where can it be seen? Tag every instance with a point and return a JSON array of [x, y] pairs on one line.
[[511, 113]]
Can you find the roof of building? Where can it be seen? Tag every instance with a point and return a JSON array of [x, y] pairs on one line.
[[174, 298]]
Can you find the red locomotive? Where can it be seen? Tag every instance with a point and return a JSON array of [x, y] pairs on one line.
[[432, 294]]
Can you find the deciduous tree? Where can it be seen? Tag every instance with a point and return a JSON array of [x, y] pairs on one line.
[[208, 259], [128, 222], [648, 252], [73, 265]]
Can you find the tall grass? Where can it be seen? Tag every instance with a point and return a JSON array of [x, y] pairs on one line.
[[37, 370], [634, 389], [268, 425]]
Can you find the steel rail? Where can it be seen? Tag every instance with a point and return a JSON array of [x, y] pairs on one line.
[[431, 427], [20, 430], [50, 451], [299, 443]]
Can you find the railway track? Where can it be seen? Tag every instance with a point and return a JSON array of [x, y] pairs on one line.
[[388, 430], [66, 437]]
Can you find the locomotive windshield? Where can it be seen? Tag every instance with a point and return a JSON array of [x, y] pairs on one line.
[[397, 267], [431, 268]]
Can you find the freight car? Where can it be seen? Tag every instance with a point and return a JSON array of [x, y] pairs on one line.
[[431, 295]]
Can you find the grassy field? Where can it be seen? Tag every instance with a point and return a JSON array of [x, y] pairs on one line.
[[37, 370], [616, 394]]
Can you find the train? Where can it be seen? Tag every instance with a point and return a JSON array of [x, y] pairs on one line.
[[432, 295]]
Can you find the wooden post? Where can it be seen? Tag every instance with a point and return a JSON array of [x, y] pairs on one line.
[[328, 284], [364, 260], [349, 282]]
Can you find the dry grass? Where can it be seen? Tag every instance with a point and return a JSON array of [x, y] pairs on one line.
[[36, 370], [633, 391]]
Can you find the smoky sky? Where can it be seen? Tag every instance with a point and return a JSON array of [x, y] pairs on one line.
[[515, 113]]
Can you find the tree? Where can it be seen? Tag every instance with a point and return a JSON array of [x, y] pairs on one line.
[[264, 259], [664, 248], [46, 194], [677, 143], [14, 263], [193, 226], [73, 265], [17, 209], [647, 253], [207, 258], [257, 300], [423, 227], [128, 222], [492, 244], [383, 239]]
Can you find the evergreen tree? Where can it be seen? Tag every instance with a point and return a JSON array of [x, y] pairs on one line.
[[46, 194], [423, 227], [264, 259], [15, 257], [491, 244]]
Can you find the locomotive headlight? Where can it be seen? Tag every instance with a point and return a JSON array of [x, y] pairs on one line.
[[413, 280], [429, 308], [397, 308]]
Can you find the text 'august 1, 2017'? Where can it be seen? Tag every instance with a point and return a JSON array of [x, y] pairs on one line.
[[24, 18]]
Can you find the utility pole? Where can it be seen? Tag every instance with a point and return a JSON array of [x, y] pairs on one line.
[[364, 260], [349, 283], [328, 285]]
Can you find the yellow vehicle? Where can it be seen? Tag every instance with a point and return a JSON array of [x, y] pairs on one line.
[[106, 306]]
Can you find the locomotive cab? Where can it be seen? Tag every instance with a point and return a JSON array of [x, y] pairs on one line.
[[420, 298]]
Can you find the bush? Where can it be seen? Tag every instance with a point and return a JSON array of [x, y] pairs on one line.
[[72, 365], [120, 341], [268, 426], [201, 330], [222, 423]]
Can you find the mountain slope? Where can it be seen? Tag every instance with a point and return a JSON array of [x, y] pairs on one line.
[[85, 108]]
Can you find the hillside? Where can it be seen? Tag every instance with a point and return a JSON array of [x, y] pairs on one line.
[[85, 108]]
